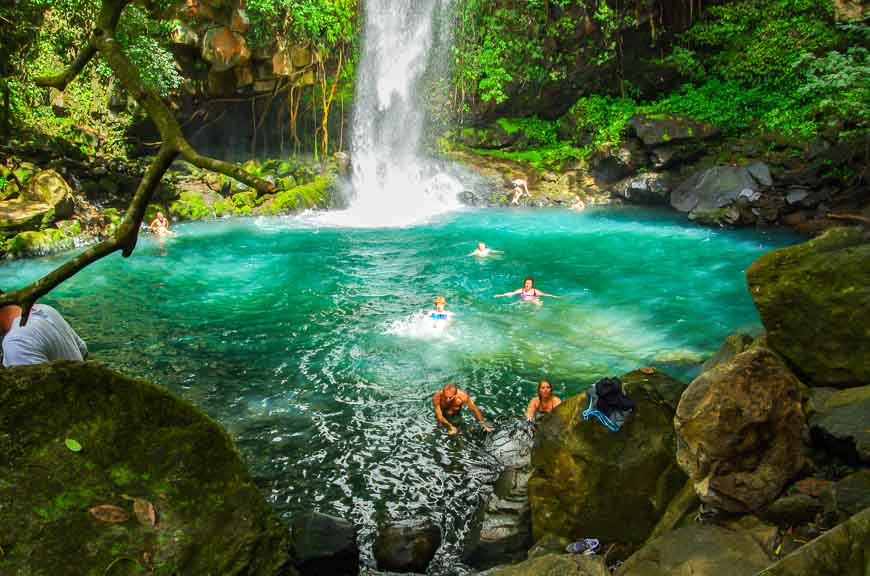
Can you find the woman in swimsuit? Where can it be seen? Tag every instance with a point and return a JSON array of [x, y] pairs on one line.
[[528, 293], [544, 402]]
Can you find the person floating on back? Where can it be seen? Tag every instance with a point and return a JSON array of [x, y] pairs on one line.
[[483, 250], [44, 338], [528, 293], [160, 225], [448, 402], [544, 402]]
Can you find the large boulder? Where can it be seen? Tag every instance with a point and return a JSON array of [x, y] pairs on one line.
[[844, 551], [702, 550], [648, 188], [734, 344], [407, 547], [100, 470], [740, 428], [553, 565], [841, 423], [814, 301], [46, 198], [324, 545], [224, 49], [659, 129], [846, 497], [711, 195], [590, 482]]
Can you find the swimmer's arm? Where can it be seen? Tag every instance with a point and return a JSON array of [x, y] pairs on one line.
[[547, 295], [436, 401], [530, 411], [473, 407], [514, 293]]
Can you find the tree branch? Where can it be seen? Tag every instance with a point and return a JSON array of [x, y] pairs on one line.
[[61, 80], [853, 217], [123, 239], [228, 168]]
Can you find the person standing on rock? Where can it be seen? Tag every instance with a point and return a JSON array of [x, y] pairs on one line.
[[520, 189], [44, 338], [544, 402], [449, 401]]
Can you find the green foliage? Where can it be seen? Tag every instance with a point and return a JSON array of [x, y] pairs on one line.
[[324, 23], [144, 40], [600, 121], [554, 157], [838, 84], [190, 206], [533, 129]]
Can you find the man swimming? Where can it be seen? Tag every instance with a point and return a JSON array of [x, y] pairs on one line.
[[448, 402], [483, 250], [528, 293]]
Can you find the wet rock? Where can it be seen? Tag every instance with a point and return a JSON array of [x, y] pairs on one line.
[[650, 188], [658, 129], [50, 188], [505, 532], [590, 482], [841, 551], [34, 244], [740, 428], [841, 423], [324, 545], [717, 188], [699, 550], [734, 344], [681, 505], [224, 49], [407, 547], [554, 565], [847, 496], [549, 544], [820, 287], [792, 510], [141, 448]]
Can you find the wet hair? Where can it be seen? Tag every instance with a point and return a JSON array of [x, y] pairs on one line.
[[541, 383], [529, 279], [440, 300], [450, 386]]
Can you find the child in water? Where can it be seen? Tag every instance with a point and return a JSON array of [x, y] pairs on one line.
[[439, 315], [483, 250]]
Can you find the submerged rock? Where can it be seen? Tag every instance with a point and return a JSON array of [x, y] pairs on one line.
[[814, 301], [96, 466], [842, 551], [740, 428], [590, 482], [324, 545], [407, 547]]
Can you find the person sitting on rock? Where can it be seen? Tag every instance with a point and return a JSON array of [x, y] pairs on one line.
[[44, 338], [483, 250], [448, 402], [160, 225], [520, 189], [544, 402]]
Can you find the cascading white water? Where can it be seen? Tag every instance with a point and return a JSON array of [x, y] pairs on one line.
[[393, 183]]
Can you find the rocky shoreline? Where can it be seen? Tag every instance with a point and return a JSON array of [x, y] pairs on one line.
[[760, 465]]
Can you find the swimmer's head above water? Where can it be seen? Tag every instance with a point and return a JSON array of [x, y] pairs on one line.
[[528, 283], [440, 303]]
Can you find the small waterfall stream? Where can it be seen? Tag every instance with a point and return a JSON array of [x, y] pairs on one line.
[[394, 184]]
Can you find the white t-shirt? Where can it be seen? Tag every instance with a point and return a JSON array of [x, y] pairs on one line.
[[44, 338]]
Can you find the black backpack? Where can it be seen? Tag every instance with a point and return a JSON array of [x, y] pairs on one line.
[[611, 397]]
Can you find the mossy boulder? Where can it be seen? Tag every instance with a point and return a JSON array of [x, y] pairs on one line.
[[49, 187], [183, 501], [844, 551], [814, 302], [315, 194], [46, 198], [588, 481], [191, 205], [554, 565], [42, 243]]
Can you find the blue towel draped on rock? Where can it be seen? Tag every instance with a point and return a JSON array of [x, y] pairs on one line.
[[612, 421]]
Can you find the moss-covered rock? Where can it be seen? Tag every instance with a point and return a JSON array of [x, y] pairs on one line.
[[312, 195], [814, 301], [187, 504], [554, 565], [588, 481], [191, 205], [844, 551], [42, 243]]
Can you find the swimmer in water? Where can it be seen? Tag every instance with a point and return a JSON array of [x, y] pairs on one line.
[[544, 402], [160, 225], [528, 293], [483, 251], [439, 314], [448, 402]]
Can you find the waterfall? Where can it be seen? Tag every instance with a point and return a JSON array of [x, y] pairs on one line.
[[393, 183]]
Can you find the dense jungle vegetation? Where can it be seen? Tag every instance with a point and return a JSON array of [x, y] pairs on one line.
[[569, 72]]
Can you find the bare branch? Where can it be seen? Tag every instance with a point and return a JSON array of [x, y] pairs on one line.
[[61, 80], [123, 239], [852, 217], [231, 170]]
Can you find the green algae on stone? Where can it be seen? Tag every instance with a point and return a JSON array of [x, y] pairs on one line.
[[814, 302], [312, 195], [48, 241], [190, 205], [140, 443]]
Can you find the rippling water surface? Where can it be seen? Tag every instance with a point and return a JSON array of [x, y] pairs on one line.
[[307, 342]]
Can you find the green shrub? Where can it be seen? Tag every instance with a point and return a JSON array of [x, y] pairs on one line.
[[190, 206]]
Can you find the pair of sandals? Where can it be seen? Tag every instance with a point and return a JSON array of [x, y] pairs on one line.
[[587, 547]]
